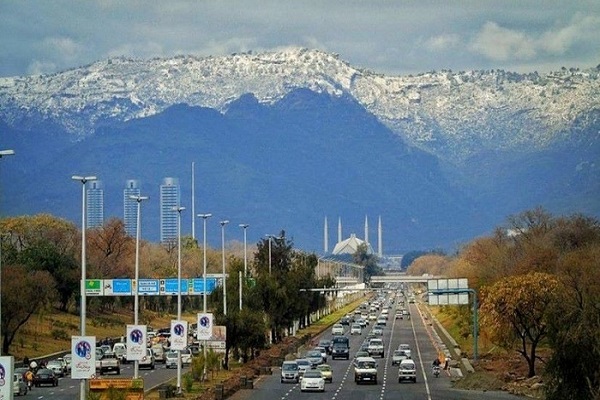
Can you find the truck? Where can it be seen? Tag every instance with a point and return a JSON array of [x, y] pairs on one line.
[[110, 363]]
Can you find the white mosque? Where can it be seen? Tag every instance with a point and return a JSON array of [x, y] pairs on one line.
[[351, 244]]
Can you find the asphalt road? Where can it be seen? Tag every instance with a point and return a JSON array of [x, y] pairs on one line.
[[413, 332], [68, 389]]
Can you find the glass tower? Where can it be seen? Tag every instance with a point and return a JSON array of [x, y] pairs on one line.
[[132, 188], [169, 198], [95, 205]]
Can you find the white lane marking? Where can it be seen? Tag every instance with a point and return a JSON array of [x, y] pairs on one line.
[[421, 358]]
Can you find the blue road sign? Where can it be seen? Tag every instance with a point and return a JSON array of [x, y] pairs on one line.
[[169, 286], [121, 287]]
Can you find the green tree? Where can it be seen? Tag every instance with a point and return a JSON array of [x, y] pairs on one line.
[[516, 310]]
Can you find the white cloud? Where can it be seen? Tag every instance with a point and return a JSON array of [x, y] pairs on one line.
[[581, 29], [501, 44], [442, 42]]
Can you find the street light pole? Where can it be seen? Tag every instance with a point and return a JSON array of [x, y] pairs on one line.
[[136, 302], [178, 210], [2, 154], [204, 218], [83, 180], [223, 223], [270, 238], [244, 227]]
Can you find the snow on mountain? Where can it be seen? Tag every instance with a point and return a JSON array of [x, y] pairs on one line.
[[452, 114]]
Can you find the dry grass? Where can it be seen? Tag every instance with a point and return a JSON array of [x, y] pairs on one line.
[[50, 332]]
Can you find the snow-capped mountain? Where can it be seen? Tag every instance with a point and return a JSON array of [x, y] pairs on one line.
[[282, 139], [451, 114]]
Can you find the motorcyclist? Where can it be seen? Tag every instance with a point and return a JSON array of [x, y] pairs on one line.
[[435, 366], [29, 379]]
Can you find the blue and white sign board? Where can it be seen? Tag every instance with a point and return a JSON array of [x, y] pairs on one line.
[[445, 287], [148, 287], [179, 334], [117, 287], [6, 377], [136, 342], [83, 363], [169, 286], [198, 285], [205, 326]]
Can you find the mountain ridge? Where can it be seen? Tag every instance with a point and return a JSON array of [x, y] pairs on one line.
[[465, 111]]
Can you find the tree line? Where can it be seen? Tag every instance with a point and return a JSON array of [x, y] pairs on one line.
[[41, 269], [538, 280]]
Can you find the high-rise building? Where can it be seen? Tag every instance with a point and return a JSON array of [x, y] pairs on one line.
[[169, 199], [95, 205], [132, 188]]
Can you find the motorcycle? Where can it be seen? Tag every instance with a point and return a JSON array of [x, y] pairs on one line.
[[436, 371]]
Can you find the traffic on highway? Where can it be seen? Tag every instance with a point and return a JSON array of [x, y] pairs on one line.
[[397, 363]]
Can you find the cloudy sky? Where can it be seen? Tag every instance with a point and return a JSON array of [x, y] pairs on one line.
[[394, 37]]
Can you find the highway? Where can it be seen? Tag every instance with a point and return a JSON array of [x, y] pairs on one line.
[[68, 389], [413, 332]]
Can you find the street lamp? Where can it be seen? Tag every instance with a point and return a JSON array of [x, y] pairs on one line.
[[136, 303], [223, 223], [2, 154], [244, 227], [204, 217], [270, 238], [178, 210], [83, 180]]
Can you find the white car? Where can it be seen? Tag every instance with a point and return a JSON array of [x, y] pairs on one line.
[[303, 366], [171, 359], [337, 329], [406, 348], [19, 385], [312, 381], [147, 361], [356, 329], [186, 356], [407, 371]]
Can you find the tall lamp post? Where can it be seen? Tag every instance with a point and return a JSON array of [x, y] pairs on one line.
[[223, 223], [178, 210], [136, 302], [244, 227], [204, 218], [2, 154], [83, 180], [270, 262]]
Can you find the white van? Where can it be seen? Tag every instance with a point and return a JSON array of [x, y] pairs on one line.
[[407, 371], [120, 350]]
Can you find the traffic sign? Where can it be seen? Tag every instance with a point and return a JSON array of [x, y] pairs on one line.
[[148, 287], [94, 287]]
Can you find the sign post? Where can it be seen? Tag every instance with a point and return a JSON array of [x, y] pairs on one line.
[[454, 297]]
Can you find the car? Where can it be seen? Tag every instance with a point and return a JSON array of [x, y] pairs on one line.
[[398, 356], [356, 329], [290, 372], [323, 353], [57, 367], [19, 385], [362, 322], [110, 363], [327, 344], [378, 330], [67, 358], [120, 350], [340, 350], [326, 371], [186, 356], [315, 357], [407, 371], [159, 352], [381, 321], [360, 353], [303, 366], [365, 370], [313, 381], [376, 347], [171, 359], [399, 315], [406, 348], [345, 321], [147, 361], [337, 329], [45, 376]]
